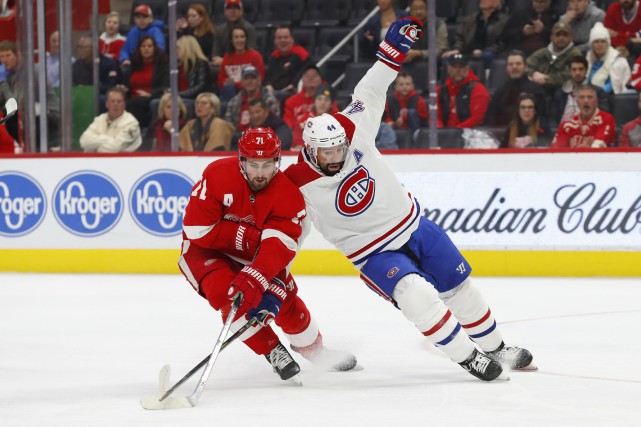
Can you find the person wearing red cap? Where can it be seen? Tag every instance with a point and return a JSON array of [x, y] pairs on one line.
[[145, 25], [233, 12]]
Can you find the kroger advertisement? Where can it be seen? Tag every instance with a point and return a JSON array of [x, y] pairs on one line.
[[138, 202]]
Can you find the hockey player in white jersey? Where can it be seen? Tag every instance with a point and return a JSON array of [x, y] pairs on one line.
[[357, 203]]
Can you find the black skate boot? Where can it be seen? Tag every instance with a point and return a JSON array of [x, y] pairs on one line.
[[333, 360], [282, 362], [512, 357], [482, 366]]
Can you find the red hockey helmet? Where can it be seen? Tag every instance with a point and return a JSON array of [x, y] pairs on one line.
[[258, 143]]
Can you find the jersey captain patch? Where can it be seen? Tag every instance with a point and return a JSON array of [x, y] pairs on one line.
[[356, 193]]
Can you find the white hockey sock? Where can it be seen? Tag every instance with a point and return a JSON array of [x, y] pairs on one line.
[[420, 304], [305, 338], [469, 306]]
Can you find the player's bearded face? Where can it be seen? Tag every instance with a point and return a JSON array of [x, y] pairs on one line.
[[332, 159], [259, 172]]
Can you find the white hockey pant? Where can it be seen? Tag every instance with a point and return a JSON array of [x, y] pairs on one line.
[[469, 306], [421, 305]]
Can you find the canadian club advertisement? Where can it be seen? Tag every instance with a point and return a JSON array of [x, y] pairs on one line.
[[547, 210]]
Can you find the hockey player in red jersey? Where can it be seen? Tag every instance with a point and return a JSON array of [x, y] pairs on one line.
[[240, 233], [357, 203]]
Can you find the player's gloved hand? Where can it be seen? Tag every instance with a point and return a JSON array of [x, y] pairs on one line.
[[398, 40], [269, 306], [247, 238], [252, 284]]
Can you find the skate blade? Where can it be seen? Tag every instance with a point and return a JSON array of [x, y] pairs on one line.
[[503, 377], [163, 379], [171, 402], [295, 380], [529, 368]]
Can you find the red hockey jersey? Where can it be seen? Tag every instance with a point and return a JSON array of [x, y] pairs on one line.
[[223, 194], [576, 133]]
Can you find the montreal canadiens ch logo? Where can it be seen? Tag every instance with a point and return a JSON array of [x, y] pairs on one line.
[[87, 203], [356, 193], [157, 202], [22, 204]]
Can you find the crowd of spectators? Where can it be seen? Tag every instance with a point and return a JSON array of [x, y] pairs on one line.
[[532, 73]]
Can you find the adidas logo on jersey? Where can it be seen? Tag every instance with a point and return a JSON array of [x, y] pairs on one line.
[[461, 268]]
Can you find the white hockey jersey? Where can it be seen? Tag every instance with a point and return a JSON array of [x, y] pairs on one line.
[[363, 209]]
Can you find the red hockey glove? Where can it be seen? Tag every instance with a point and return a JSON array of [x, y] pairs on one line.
[[252, 284], [399, 38], [269, 306], [247, 238]]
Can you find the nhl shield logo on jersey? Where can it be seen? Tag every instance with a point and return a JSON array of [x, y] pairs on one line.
[[356, 193]]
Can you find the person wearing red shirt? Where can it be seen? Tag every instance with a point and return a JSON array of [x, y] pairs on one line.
[[238, 58], [463, 100], [301, 104], [405, 109], [591, 128], [323, 103], [285, 64], [240, 234], [7, 143], [631, 132], [111, 41], [623, 21], [145, 79]]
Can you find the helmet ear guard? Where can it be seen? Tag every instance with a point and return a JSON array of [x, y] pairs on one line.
[[323, 131]]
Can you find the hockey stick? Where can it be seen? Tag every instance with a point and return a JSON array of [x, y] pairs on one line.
[[195, 369], [192, 400], [11, 106]]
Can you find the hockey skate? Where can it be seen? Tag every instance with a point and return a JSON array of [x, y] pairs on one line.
[[514, 358], [482, 366], [283, 363], [326, 358]]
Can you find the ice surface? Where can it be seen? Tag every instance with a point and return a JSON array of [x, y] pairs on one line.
[[81, 350]]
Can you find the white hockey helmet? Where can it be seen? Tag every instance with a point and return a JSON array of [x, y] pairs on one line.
[[323, 131]]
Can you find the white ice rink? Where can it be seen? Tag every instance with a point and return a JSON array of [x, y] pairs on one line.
[[78, 350]]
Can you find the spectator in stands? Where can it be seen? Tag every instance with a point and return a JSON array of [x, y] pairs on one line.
[[13, 87], [480, 35], [158, 137], [631, 133], [145, 25], [608, 69], [324, 98], [82, 70], [8, 145], [111, 41], [53, 60], [405, 109], [194, 75], [260, 116], [114, 131], [386, 137], [548, 66], [233, 11], [581, 16], [503, 106], [463, 100], [635, 77], [591, 128], [376, 27], [564, 104], [526, 129], [529, 28], [237, 110], [206, 132], [300, 104], [234, 61], [418, 9], [146, 78], [285, 64], [623, 21], [198, 24]]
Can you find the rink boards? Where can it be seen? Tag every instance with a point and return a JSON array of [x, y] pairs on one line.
[[521, 214]]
